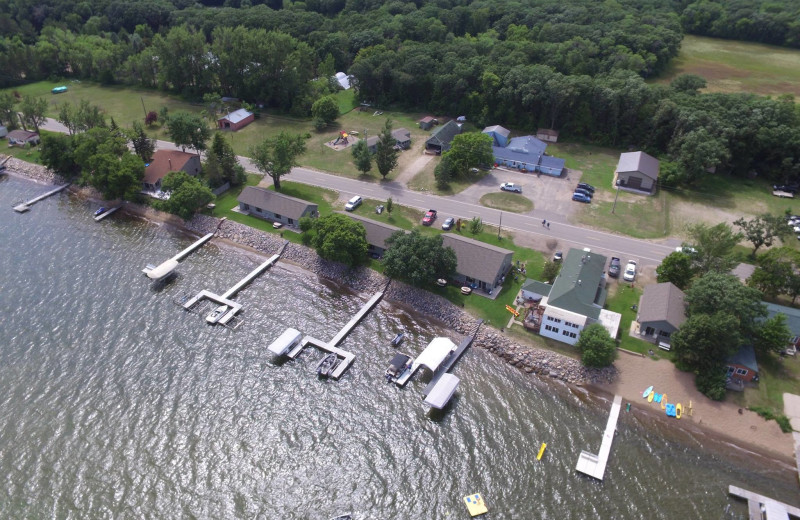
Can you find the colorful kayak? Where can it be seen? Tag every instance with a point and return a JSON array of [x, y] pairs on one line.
[[664, 402], [658, 397], [650, 397], [647, 392], [541, 451], [678, 411]]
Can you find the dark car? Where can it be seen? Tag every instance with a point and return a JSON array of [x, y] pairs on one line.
[[587, 187], [584, 192], [788, 188], [448, 223], [580, 197], [614, 267], [558, 256]]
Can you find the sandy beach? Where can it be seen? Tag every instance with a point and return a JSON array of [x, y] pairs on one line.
[[747, 428]]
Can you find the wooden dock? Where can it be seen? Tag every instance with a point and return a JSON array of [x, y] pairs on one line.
[[165, 268], [595, 465], [773, 510], [106, 213], [346, 358], [25, 206]]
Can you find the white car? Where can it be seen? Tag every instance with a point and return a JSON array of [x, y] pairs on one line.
[[686, 249], [353, 203], [630, 271], [510, 186]]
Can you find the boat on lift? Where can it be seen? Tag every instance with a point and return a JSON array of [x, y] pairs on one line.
[[328, 363], [398, 339], [216, 314]]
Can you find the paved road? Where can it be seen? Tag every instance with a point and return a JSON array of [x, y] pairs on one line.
[[648, 253]]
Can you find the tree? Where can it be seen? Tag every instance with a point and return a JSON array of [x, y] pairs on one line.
[[688, 83], [222, 164], [773, 334], [8, 116], [419, 260], [361, 157], [469, 151], [151, 118], [763, 230], [88, 116], [187, 129], [339, 238], [775, 271], [57, 154], [443, 173], [386, 155], [719, 292], [187, 194], [475, 225], [714, 247], [596, 346], [677, 269], [142, 145], [67, 116], [705, 341], [389, 205], [325, 110], [277, 156], [33, 112], [550, 271]]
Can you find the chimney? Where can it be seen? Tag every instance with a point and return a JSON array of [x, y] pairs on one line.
[[170, 164]]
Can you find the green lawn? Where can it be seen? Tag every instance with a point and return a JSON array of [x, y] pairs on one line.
[[506, 201], [621, 298], [736, 66], [424, 180], [776, 376]]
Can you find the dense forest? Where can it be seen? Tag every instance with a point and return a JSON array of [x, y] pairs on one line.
[[575, 65]]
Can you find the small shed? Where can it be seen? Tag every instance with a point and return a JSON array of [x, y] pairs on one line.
[[547, 135], [498, 134], [236, 120], [22, 137], [441, 138], [742, 366], [402, 137], [637, 172], [426, 123], [343, 80], [372, 143]]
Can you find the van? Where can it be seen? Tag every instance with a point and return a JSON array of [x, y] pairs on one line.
[[353, 203]]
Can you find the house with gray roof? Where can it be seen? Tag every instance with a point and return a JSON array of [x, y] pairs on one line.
[[498, 134], [637, 172], [547, 134], [442, 138], [274, 206], [480, 265], [372, 143], [377, 233], [402, 138], [661, 312], [577, 297]]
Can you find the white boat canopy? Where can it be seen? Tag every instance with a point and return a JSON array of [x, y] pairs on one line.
[[441, 393], [162, 270], [436, 352], [285, 341]]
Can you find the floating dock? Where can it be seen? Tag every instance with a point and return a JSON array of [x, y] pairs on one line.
[[595, 465], [165, 269], [106, 213], [773, 510], [346, 358], [194, 303], [25, 206]]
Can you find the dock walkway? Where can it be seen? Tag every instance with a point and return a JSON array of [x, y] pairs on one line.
[[595, 465], [25, 206], [773, 510], [103, 215], [347, 358]]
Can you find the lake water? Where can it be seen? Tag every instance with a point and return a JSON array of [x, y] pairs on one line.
[[116, 403]]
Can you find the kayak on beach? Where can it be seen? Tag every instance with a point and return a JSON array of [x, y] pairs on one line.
[[647, 391]]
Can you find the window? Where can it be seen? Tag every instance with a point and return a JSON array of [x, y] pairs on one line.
[[649, 331], [247, 207], [554, 320], [663, 333], [741, 372], [258, 209], [730, 371], [277, 216], [291, 222], [552, 329]]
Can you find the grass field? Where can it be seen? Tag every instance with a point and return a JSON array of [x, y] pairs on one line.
[[776, 376], [735, 66], [507, 202]]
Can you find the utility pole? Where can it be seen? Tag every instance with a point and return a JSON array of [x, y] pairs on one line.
[[500, 226], [143, 108], [615, 198]]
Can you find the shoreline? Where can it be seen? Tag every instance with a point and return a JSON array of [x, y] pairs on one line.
[[724, 427]]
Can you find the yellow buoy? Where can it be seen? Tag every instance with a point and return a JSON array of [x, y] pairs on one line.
[[541, 451], [475, 504]]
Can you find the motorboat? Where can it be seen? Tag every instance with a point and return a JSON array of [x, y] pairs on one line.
[[397, 366], [398, 339], [328, 363], [346, 516], [99, 212], [216, 314]]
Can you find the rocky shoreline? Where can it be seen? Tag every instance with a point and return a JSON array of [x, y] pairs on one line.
[[529, 359]]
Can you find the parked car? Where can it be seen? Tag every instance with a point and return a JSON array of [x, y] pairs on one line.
[[788, 188], [353, 203], [630, 271], [587, 187], [448, 223], [689, 250], [510, 186], [584, 192], [614, 267], [580, 197], [558, 256], [429, 217]]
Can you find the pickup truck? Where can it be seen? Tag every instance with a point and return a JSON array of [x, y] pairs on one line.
[[614, 267], [429, 217], [630, 271]]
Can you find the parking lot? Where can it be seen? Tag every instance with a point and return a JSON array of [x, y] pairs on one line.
[[551, 196]]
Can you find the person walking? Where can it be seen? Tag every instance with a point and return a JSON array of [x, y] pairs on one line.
[[544, 223], [548, 225]]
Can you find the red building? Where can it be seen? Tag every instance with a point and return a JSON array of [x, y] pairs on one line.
[[235, 120]]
